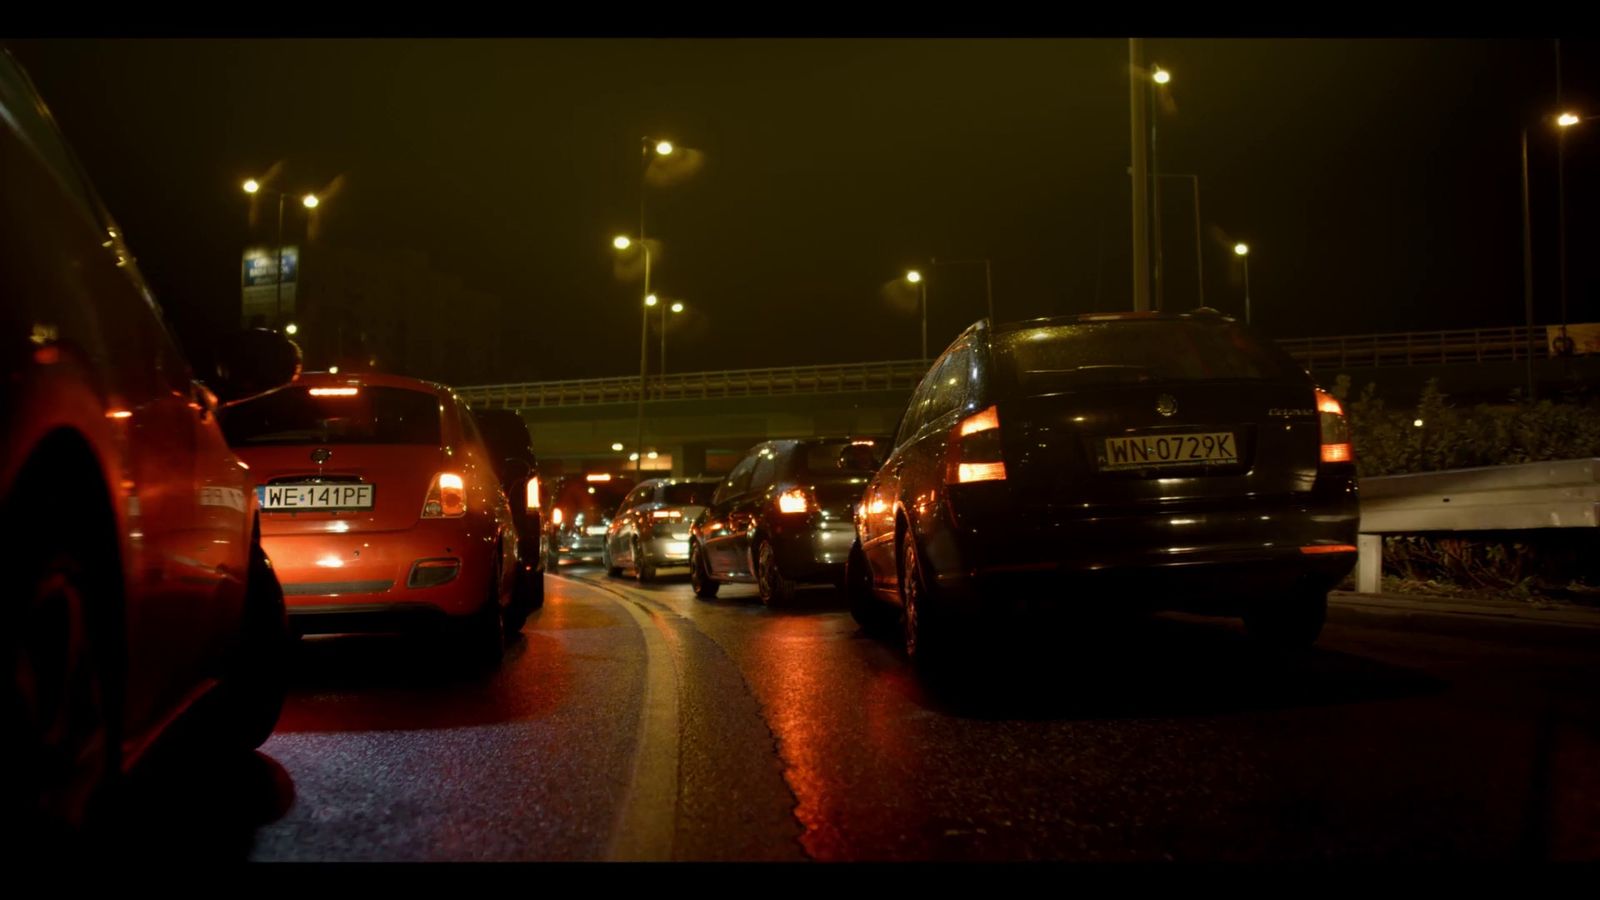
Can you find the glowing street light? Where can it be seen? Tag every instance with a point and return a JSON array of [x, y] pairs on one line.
[[677, 307], [915, 278], [652, 454], [664, 148], [616, 446], [622, 242], [251, 186], [1568, 119], [1160, 76], [651, 300], [310, 201], [291, 328], [1242, 250]]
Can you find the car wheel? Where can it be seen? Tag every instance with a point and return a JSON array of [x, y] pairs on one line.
[[253, 689], [922, 632], [612, 569], [776, 590], [705, 587], [485, 637], [643, 569], [66, 652], [1288, 623], [873, 615], [536, 590], [522, 601]]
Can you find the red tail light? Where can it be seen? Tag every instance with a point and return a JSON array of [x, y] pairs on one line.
[[666, 514], [974, 452], [447, 498], [1335, 429], [794, 500], [555, 516], [533, 493]]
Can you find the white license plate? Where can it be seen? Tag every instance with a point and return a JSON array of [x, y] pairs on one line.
[[315, 496], [597, 529], [1143, 451]]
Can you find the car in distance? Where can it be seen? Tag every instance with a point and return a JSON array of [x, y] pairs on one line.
[[783, 517], [651, 529], [581, 509], [1128, 461], [381, 508], [138, 594]]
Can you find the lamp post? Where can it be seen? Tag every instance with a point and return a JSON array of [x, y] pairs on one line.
[[915, 278], [309, 201], [1242, 251], [622, 242], [675, 308], [1158, 78]]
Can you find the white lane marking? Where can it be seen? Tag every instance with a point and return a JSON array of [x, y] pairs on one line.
[[648, 816]]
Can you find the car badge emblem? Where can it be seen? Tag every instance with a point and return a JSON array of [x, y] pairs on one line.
[[1166, 405], [320, 456]]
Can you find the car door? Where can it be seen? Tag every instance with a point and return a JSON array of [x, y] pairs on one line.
[[626, 524], [922, 473], [878, 513], [748, 515], [717, 533]]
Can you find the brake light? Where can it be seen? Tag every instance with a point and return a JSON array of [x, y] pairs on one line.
[[533, 492], [555, 516], [794, 500], [974, 452], [447, 498], [666, 514], [334, 391], [597, 476], [1335, 429]]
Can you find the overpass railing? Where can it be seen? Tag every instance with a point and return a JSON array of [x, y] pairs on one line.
[[1414, 348]]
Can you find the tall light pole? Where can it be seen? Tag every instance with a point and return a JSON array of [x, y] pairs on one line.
[[674, 308], [915, 278], [1564, 121], [988, 279], [1141, 224], [1199, 251], [647, 147], [309, 201], [1527, 266], [1243, 252], [623, 242], [1158, 78]]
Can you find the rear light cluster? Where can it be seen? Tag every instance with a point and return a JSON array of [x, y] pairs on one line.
[[666, 514], [794, 500], [974, 451], [1335, 429], [533, 494], [447, 498]]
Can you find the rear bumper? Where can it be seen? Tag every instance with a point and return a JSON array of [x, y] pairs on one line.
[[1213, 562], [813, 550], [376, 617], [373, 570], [665, 550]]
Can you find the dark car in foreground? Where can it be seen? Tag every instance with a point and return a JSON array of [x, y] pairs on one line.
[[651, 529], [783, 516], [511, 453], [1116, 462], [581, 508], [138, 596]]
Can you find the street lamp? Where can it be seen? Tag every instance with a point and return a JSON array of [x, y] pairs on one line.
[[915, 278], [291, 329], [1564, 121], [675, 308], [1242, 251], [617, 446], [1159, 78], [309, 201], [622, 242], [1199, 250]]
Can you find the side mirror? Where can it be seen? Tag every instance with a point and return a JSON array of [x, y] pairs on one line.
[[250, 363]]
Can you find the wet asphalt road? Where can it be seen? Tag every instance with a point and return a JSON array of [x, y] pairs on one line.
[[636, 722]]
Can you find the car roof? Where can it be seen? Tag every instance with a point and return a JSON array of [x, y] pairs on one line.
[[1204, 314]]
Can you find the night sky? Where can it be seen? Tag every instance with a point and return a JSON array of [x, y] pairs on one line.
[[1375, 180]]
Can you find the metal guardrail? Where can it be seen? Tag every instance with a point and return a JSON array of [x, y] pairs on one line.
[[830, 379], [1468, 345], [1559, 494]]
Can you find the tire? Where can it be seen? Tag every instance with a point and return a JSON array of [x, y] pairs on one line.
[[484, 638], [65, 647], [643, 569], [1288, 624], [922, 631], [536, 590], [775, 589], [256, 682], [705, 587], [612, 569], [873, 615], [522, 600]]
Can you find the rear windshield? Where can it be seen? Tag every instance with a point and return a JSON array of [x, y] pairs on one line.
[[504, 434], [842, 457], [370, 415], [688, 494], [1062, 357]]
